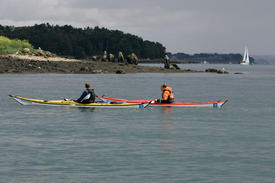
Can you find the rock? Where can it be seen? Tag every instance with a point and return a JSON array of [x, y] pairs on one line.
[[98, 71], [176, 66], [238, 73], [49, 54], [211, 70], [11, 71], [120, 72], [129, 59], [99, 58], [26, 50], [40, 52], [44, 54], [111, 58], [84, 69], [134, 59], [120, 57], [104, 58], [167, 62], [95, 58], [172, 66], [63, 70], [222, 72]]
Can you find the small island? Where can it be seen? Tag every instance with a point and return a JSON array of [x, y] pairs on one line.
[[17, 56]]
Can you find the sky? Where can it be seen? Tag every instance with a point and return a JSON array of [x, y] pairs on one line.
[[189, 26]]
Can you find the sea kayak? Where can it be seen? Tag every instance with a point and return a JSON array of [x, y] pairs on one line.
[[71, 103], [152, 102]]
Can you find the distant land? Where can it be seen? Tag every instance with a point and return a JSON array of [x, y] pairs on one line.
[[213, 58], [264, 59], [84, 43]]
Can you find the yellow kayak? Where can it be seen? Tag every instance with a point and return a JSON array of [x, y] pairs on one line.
[[71, 103]]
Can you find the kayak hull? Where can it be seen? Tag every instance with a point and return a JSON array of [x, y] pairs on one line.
[[71, 103], [215, 104]]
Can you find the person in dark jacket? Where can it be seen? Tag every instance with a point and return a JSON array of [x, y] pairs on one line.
[[88, 96]]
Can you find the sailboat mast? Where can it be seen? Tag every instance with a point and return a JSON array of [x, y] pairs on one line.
[[244, 55]]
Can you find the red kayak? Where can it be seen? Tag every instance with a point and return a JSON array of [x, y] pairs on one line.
[[175, 104]]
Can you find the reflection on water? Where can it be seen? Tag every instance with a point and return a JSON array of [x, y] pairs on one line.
[[167, 129], [86, 109], [167, 109]]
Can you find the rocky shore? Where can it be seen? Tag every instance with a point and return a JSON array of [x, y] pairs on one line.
[[35, 64]]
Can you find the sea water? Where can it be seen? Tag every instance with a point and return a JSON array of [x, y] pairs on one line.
[[235, 143]]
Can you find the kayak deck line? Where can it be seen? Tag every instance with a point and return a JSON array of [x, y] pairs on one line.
[[215, 104], [71, 103]]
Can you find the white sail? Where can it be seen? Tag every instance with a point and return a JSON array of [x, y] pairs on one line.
[[245, 60], [244, 54], [247, 56]]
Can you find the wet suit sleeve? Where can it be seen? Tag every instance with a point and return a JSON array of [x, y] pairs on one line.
[[82, 96]]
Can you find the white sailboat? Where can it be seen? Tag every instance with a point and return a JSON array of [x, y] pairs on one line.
[[245, 60]]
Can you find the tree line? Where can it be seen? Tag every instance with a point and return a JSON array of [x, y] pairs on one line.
[[83, 42]]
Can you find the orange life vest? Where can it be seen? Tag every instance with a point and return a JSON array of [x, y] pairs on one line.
[[167, 94]]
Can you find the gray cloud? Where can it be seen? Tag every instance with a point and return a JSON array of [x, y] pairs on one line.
[[181, 25]]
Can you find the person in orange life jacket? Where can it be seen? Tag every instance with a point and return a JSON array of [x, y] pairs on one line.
[[167, 94], [88, 96]]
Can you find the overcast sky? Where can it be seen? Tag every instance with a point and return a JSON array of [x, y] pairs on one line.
[[190, 26]]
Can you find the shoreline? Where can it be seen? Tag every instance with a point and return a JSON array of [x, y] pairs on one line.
[[36, 64]]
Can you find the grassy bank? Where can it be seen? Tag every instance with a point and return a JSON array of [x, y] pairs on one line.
[[10, 46]]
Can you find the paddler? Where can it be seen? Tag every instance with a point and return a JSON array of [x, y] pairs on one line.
[[88, 96], [167, 94]]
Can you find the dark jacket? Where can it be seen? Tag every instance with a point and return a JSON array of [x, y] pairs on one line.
[[88, 96]]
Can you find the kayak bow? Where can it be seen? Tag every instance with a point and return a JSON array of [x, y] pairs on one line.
[[71, 103]]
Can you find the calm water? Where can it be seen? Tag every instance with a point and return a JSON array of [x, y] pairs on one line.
[[58, 144]]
